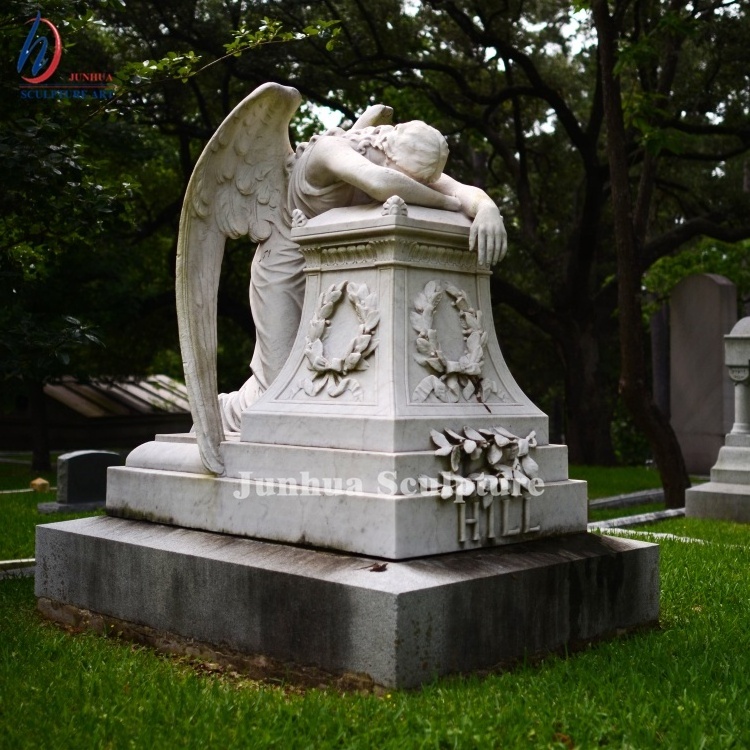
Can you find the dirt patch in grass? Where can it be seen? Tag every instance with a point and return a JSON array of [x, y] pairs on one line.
[[207, 659]]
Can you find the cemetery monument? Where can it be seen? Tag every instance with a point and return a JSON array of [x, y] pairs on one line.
[[702, 308], [727, 495], [380, 497]]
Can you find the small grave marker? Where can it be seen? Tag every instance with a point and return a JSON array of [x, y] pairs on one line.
[[81, 481]]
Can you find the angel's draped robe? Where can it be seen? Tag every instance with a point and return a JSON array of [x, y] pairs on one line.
[[277, 286]]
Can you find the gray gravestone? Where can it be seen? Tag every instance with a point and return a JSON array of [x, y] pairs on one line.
[[703, 308], [81, 480]]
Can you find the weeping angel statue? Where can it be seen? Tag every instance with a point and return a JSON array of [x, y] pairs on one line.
[[248, 181]]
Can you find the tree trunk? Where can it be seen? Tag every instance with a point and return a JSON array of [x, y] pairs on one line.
[[588, 408], [40, 459], [634, 388], [579, 341]]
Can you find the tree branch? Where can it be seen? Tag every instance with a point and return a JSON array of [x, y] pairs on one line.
[[707, 226]]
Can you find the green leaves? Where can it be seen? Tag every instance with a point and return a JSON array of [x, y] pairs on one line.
[[182, 66], [174, 65], [707, 256], [273, 31], [37, 348]]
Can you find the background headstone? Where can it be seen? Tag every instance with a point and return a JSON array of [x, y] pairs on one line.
[[727, 495], [82, 480], [703, 308]]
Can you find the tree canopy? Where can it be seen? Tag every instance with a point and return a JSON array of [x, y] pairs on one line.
[[518, 88]]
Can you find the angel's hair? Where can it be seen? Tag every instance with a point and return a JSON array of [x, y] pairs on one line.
[[416, 148]]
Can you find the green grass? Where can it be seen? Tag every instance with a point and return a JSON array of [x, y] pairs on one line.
[[604, 514], [19, 518], [18, 511], [684, 686], [720, 532], [18, 476], [606, 481]]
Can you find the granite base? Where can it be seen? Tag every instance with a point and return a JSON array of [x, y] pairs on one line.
[[401, 623]]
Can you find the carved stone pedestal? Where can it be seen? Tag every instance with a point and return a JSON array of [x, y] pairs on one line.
[[395, 431], [396, 358]]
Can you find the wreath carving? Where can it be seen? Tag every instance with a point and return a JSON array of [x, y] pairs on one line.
[[335, 371], [451, 380]]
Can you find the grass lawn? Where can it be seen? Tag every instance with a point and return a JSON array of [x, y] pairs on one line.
[[686, 685], [605, 514], [18, 519], [606, 481], [724, 532], [17, 476]]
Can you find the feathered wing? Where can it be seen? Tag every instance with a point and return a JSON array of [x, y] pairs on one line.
[[238, 187]]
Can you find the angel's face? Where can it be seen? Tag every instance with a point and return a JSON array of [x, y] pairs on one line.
[[416, 150]]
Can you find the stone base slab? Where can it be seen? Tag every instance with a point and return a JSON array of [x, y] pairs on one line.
[[402, 626], [303, 464], [394, 527], [732, 466], [728, 502], [69, 507]]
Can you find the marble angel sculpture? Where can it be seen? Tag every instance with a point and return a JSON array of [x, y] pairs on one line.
[[247, 181]]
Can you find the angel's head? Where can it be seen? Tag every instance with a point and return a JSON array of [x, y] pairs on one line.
[[416, 149]]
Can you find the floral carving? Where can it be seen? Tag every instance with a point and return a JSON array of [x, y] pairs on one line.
[[501, 461], [452, 380], [334, 371]]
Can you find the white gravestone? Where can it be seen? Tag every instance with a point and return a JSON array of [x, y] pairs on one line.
[[390, 438], [344, 457], [727, 495]]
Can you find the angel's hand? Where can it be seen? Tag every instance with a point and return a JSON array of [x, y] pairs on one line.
[[488, 236]]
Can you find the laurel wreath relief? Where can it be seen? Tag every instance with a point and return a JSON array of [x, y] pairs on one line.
[[453, 379], [335, 371]]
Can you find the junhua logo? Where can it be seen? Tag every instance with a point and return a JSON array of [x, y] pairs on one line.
[[43, 65]]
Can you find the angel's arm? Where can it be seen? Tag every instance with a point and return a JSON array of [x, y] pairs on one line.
[[376, 114], [488, 236], [335, 160]]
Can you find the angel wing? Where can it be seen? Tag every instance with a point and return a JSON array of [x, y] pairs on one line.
[[238, 187]]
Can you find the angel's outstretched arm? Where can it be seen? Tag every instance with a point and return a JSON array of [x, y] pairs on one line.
[[488, 236], [334, 160]]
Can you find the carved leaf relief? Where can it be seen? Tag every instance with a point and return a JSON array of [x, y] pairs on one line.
[[487, 461], [450, 381]]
